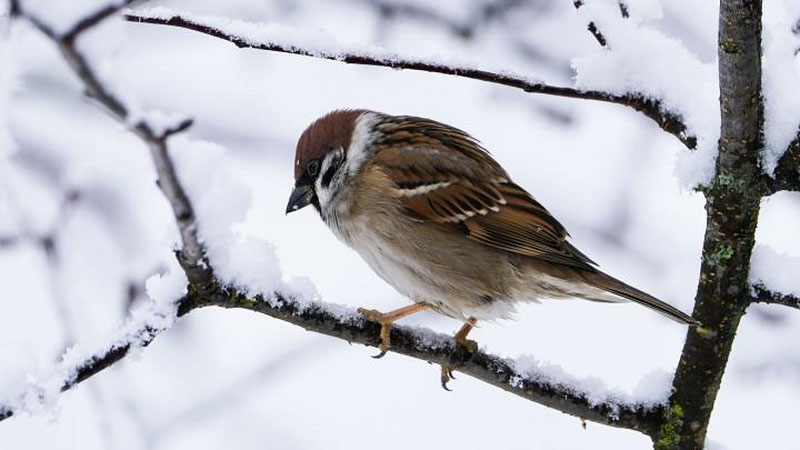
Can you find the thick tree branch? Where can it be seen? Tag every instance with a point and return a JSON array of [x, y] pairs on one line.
[[668, 121], [414, 342], [764, 295], [732, 207]]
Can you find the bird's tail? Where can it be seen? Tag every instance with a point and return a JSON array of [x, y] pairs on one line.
[[616, 287]]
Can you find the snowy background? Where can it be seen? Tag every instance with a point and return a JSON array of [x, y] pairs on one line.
[[83, 226]]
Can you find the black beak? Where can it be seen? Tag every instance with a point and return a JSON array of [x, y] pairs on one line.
[[301, 197]]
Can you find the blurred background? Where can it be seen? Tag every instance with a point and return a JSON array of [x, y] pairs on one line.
[[82, 226]]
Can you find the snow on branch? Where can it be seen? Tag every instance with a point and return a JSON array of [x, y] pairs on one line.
[[639, 58], [69, 374], [773, 277], [547, 387], [191, 256], [787, 173], [78, 365], [764, 295], [562, 394], [517, 377], [286, 40]]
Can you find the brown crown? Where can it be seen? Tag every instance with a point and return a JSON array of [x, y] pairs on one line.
[[330, 131]]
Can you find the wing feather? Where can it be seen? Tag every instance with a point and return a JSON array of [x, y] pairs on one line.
[[448, 178]]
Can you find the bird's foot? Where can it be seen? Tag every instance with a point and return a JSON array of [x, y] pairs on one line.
[[462, 344], [447, 375], [385, 320]]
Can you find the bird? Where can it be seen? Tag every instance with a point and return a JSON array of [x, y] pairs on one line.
[[437, 217]]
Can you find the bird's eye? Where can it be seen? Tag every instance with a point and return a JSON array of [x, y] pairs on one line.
[[313, 168]]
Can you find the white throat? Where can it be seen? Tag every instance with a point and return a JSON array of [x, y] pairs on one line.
[[358, 153]]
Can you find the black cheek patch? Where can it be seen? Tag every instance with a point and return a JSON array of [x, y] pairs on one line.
[[327, 177]]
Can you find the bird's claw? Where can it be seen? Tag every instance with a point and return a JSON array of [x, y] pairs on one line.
[[386, 326], [447, 375], [447, 371]]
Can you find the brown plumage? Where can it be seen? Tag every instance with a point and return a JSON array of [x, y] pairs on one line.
[[438, 218]]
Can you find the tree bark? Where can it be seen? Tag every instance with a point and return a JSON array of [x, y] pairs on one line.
[[732, 205]]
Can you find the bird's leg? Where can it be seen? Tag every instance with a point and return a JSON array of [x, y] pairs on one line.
[[386, 320], [461, 341]]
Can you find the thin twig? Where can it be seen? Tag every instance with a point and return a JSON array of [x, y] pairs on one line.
[[192, 256], [668, 121], [98, 362], [479, 16], [787, 173], [592, 27], [764, 295], [623, 9], [95, 18]]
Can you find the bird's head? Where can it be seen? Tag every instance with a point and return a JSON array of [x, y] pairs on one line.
[[321, 154]]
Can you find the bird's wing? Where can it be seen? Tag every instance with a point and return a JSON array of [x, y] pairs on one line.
[[450, 179]]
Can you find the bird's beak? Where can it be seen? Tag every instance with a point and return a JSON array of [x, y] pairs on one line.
[[301, 197]]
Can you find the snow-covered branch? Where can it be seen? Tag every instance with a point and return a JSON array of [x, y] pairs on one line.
[[773, 277], [787, 173], [563, 393], [77, 366], [191, 256], [426, 345], [275, 39], [764, 295]]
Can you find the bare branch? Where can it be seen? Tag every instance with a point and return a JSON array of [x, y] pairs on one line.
[[764, 295], [668, 121], [178, 128], [192, 256], [418, 343], [95, 18], [623, 9], [479, 16], [592, 27]]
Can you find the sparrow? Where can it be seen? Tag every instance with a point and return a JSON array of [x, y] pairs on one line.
[[436, 217]]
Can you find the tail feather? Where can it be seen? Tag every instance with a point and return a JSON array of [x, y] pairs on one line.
[[616, 287]]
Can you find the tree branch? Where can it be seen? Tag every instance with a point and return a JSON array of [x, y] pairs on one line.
[[651, 108], [764, 295], [592, 27], [479, 14], [192, 256], [732, 207], [787, 173], [417, 343], [204, 291], [100, 361]]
